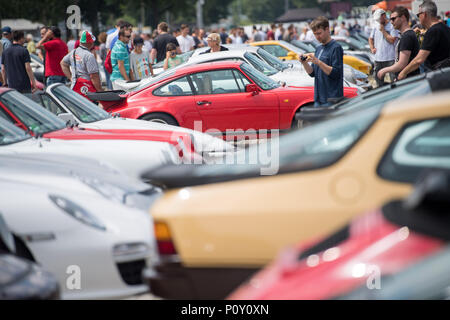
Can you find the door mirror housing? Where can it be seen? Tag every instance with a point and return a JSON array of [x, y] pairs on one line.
[[253, 88]]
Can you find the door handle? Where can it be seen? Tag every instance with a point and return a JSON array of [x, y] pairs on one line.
[[203, 102]]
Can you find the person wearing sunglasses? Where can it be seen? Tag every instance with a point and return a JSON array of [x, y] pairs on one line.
[[408, 46], [120, 60], [382, 41], [435, 49]]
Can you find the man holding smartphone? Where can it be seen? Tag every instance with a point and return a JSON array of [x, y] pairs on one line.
[[327, 64]]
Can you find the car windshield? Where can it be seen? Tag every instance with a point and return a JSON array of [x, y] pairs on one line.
[[357, 44], [79, 106], [383, 96], [36, 118], [9, 133], [310, 148], [271, 60], [147, 82], [263, 81], [260, 65], [292, 47], [304, 45]]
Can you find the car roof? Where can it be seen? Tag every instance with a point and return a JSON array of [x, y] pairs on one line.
[[208, 66], [429, 106], [218, 55]]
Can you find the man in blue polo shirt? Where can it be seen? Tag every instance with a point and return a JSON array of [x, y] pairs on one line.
[[327, 64]]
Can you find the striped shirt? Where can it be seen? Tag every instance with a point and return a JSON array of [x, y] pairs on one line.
[[119, 52]]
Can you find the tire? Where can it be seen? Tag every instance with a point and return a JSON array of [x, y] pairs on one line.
[[160, 118]]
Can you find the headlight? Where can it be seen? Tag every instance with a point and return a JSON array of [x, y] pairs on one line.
[[77, 212], [107, 190]]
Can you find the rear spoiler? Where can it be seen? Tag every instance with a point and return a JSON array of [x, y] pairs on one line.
[[113, 95]]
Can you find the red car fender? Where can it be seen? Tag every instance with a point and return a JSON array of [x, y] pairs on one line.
[[373, 241]]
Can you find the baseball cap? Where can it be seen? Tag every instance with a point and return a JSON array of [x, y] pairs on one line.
[[377, 14], [213, 37], [138, 40], [6, 30], [87, 37]]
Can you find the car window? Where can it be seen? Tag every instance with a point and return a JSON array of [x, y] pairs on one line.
[[242, 81], [216, 82], [9, 133], [276, 50], [263, 81], [6, 116], [343, 44], [147, 82], [259, 64], [79, 106], [271, 60], [50, 105], [30, 113], [178, 87], [420, 145]]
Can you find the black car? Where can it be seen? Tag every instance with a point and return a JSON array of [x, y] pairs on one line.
[[22, 279], [411, 87]]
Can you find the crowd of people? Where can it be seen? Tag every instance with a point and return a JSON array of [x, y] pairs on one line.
[[401, 47]]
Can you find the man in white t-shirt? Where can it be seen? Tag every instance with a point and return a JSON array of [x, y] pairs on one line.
[[185, 41], [382, 41]]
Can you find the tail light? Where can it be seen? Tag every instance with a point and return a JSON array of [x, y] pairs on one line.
[[164, 239]]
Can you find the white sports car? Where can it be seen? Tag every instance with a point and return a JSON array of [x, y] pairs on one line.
[[96, 248], [79, 174], [69, 105], [130, 156]]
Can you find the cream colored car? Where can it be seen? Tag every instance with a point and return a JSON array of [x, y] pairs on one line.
[[329, 173]]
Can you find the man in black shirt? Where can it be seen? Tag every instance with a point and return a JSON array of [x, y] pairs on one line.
[[436, 42], [16, 69], [160, 43], [407, 47]]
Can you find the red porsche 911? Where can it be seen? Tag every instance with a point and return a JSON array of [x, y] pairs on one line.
[[222, 95]]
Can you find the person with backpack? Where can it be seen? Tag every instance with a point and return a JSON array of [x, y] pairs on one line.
[[85, 76]]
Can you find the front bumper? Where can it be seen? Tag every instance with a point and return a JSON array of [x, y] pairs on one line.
[[171, 280]]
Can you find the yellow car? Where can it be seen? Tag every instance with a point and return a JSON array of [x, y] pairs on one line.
[[214, 236], [286, 51]]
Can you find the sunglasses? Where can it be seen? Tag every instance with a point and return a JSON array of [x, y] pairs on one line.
[[128, 37], [393, 18], [420, 13]]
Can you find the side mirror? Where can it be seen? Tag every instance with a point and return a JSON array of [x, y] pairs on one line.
[[67, 117], [253, 88]]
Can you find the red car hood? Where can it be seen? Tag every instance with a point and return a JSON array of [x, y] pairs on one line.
[[172, 137], [374, 245]]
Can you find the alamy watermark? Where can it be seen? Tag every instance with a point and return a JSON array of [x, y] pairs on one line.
[[73, 22], [263, 153], [73, 281]]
